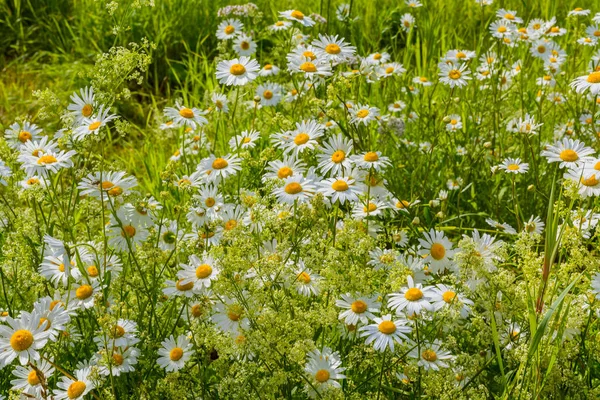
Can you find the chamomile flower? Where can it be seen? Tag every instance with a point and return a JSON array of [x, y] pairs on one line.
[[371, 159], [106, 185], [82, 105], [220, 102], [53, 316], [431, 356], [304, 137], [296, 188], [363, 114], [22, 338], [19, 133], [246, 140], [83, 295], [170, 236], [281, 169], [48, 162], [280, 26], [92, 126], [324, 370], [502, 227], [568, 152], [200, 271], [335, 158], [310, 68], [445, 296], [437, 250], [174, 353], [385, 331], [305, 280], [237, 72], [587, 178], [412, 299], [185, 116], [230, 316], [454, 75], [297, 16], [244, 45], [334, 50], [590, 81], [215, 169], [534, 226], [119, 362], [74, 389], [270, 94], [357, 308], [340, 189], [229, 29], [178, 288], [514, 166], [407, 22], [29, 380], [126, 229]]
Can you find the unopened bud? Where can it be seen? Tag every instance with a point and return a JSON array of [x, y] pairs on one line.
[[257, 99], [416, 221], [487, 145]]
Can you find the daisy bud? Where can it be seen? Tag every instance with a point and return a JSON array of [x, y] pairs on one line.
[[416, 221], [440, 215], [446, 119], [487, 145], [456, 100], [257, 99], [434, 203], [531, 188]]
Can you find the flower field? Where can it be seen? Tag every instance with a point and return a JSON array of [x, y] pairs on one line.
[[299, 199]]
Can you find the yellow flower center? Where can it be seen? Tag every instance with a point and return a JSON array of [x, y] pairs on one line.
[[186, 112], [245, 45], [184, 287], [231, 224], [115, 191], [578, 9], [502, 29], [387, 327], [333, 48], [513, 167], [176, 353], [45, 321], [309, 54], [304, 277], [54, 303], [268, 67], [293, 188], [389, 70], [33, 181], [196, 310], [359, 307], [370, 208], [117, 359], [301, 138], [591, 181], [94, 125], [413, 294], [235, 312], [449, 296], [402, 204], [429, 355], [117, 331], [24, 136], [229, 29], [61, 267], [46, 159], [237, 69], [454, 74], [362, 113], [210, 202], [338, 156], [371, 156], [83, 292], [219, 163], [284, 172], [594, 77], [76, 389], [128, 231], [308, 67], [322, 375], [203, 271], [437, 251], [340, 185], [569, 155], [21, 340], [297, 14], [509, 17], [87, 109], [267, 94], [32, 378]]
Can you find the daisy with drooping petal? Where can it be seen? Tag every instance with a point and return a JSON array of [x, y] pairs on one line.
[[514, 166], [92, 126], [340, 189], [384, 332], [17, 134], [568, 152], [237, 72], [174, 353], [74, 389], [184, 116], [335, 158], [437, 250], [22, 338], [412, 299], [214, 168], [229, 29], [432, 357], [298, 16], [324, 370], [82, 105], [357, 308]]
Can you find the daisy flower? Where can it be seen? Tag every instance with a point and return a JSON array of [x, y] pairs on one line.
[[126, 229], [335, 157], [22, 338], [169, 236], [44, 163], [178, 288], [270, 93], [306, 281], [199, 271], [53, 316], [384, 332], [230, 316], [324, 370], [216, 168], [587, 179], [514, 166], [174, 353], [269, 70], [578, 11], [83, 295], [298, 16], [246, 140], [412, 299], [184, 116], [237, 72], [334, 50], [534, 226], [83, 105], [357, 308], [506, 228], [371, 159], [591, 82], [303, 137], [453, 75], [407, 21], [437, 250], [568, 152], [283, 169], [311, 68], [229, 29], [295, 188], [74, 389], [444, 296], [432, 357], [340, 189], [244, 45], [17, 134], [363, 114], [280, 26], [220, 102], [92, 126], [29, 381], [105, 185]]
